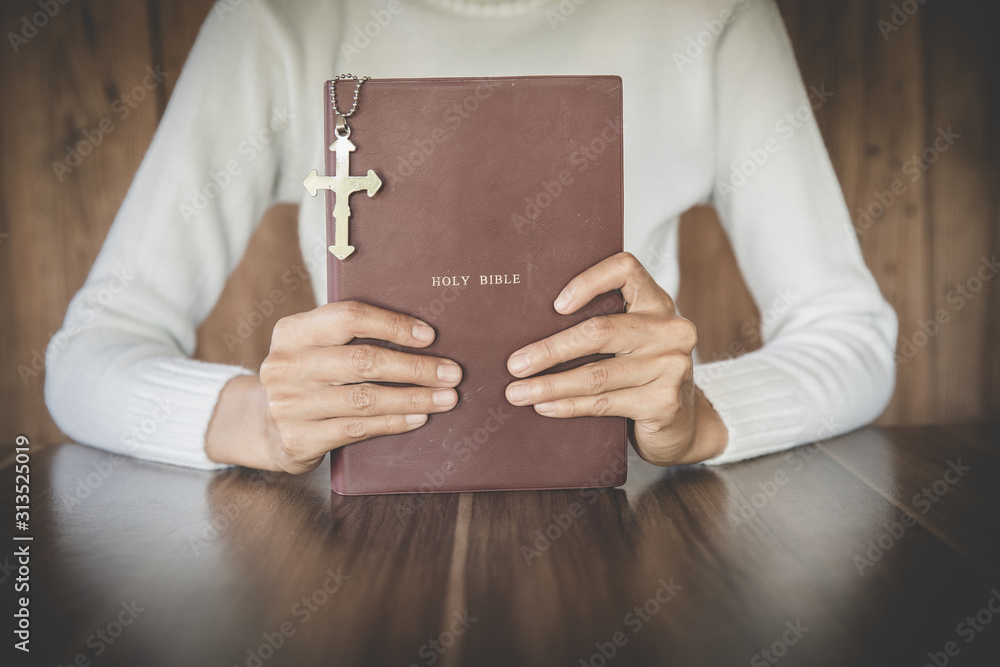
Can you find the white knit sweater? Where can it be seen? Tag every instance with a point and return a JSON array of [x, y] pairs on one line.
[[715, 112]]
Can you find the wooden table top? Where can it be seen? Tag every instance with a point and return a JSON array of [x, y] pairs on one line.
[[875, 548]]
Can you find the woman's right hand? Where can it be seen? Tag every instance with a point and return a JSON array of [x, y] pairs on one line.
[[316, 393]]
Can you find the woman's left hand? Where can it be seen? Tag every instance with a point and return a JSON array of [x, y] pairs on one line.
[[649, 380]]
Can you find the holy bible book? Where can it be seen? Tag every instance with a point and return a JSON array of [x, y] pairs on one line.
[[485, 197]]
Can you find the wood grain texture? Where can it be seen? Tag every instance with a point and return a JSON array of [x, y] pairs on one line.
[[63, 176], [964, 268], [872, 125], [891, 95], [692, 565]]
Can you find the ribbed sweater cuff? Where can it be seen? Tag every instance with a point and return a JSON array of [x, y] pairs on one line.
[[172, 408], [758, 403]]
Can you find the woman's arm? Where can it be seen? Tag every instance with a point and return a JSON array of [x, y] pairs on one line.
[[826, 366], [118, 374], [827, 363]]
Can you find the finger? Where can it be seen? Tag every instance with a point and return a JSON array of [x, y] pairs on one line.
[[348, 430], [362, 400], [660, 400], [618, 403], [622, 271], [312, 440], [339, 323], [587, 380], [609, 334], [347, 364]]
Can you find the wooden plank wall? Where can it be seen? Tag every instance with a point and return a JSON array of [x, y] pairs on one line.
[[891, 95], [896, 89]]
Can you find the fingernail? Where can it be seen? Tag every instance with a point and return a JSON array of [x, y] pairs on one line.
[[444, 398], [519, 393], [562, 302], [415, 420], [449, 371], [545, 408], [519, 363], [423, 333]]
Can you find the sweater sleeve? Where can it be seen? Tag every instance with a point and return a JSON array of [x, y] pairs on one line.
[[826, 365], [119, 374]]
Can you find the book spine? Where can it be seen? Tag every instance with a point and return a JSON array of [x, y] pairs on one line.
[[330, 160], [337, 471]]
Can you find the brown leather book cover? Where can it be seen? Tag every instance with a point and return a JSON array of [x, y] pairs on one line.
[[495, 193]]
